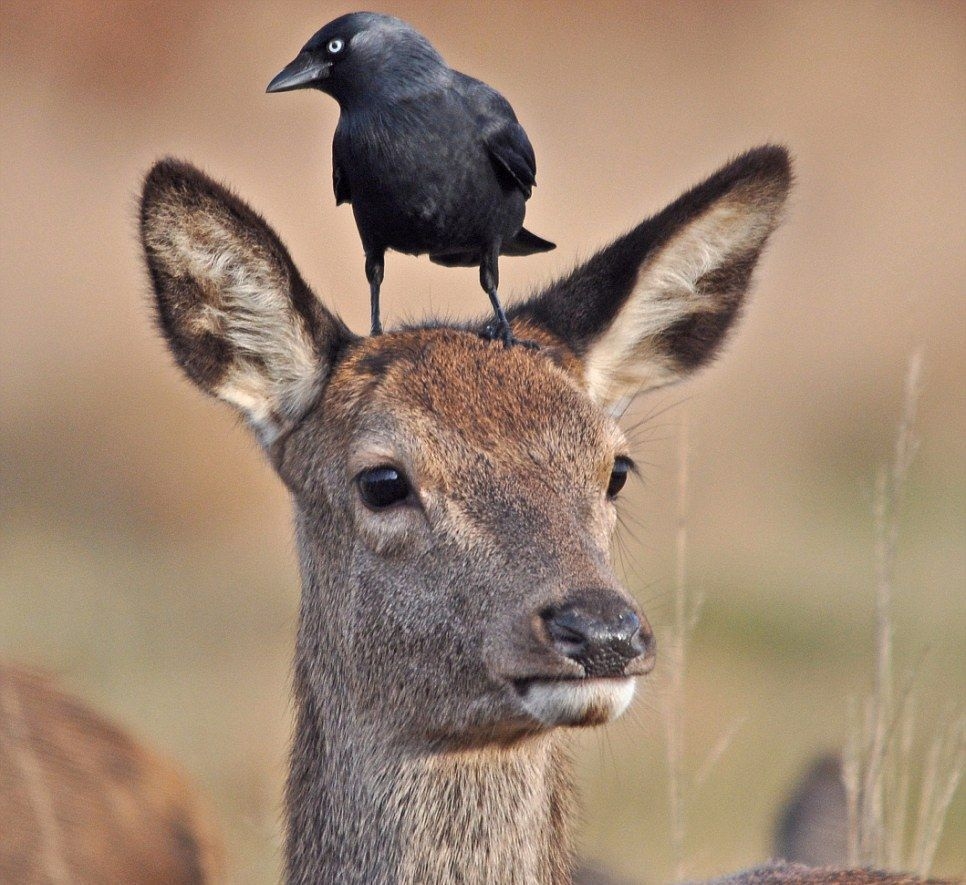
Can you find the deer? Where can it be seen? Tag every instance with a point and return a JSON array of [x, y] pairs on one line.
[[82, 801], [454, 502]]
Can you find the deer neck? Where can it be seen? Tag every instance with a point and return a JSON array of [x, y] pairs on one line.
[[362, 807]]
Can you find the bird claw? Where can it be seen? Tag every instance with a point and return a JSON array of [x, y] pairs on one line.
[[498, 332]]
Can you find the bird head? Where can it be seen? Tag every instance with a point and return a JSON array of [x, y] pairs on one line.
[[358, 54]]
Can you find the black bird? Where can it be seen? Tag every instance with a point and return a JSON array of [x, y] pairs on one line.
[[431, 160]]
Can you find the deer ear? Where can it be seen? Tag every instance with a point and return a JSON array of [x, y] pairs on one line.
[[237, 315], [658, 303]]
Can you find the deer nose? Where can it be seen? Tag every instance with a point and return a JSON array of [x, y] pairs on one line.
[[601, 632]]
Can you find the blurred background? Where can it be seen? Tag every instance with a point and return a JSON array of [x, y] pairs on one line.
[[145, 552]]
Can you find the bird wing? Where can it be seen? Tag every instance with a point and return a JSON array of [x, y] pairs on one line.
[[340, 183], [505, 140]]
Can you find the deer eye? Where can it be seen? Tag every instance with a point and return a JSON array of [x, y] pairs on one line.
[[381, 487], [618, 476]]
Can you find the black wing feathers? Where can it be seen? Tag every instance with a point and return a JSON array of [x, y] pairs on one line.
[[507, 143], [511, 151]]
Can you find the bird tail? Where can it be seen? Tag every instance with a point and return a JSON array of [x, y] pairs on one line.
[[526, 243]]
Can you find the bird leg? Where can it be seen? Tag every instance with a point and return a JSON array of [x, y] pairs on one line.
[[374, 274], [490, 280]]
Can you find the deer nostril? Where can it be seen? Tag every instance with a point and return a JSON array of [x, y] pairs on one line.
[[628, 626], [602, 641], [566, 627]]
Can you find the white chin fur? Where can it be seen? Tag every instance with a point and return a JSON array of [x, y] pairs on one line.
[[577, 702]]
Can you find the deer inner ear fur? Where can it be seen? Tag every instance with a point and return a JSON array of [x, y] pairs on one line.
[[658, 303], [234, 309]]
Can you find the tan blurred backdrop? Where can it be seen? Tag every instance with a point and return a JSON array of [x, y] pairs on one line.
[[145, 551]]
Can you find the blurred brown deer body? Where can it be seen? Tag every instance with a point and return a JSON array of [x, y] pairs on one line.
[[453, 508], [81, 802]]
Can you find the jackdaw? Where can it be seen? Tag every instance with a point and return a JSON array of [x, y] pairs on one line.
[[431, 160]]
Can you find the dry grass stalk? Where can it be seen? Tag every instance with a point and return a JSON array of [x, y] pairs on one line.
[[683, 624], [687, 611], [851, 763], [878, 762], [944, 769]]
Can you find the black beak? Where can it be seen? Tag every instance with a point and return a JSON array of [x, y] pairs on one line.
[[303, 72]]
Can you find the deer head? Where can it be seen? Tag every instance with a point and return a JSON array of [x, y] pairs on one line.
[[455, 499]]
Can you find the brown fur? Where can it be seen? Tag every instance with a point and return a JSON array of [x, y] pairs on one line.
[[81, 802], [430, 744]]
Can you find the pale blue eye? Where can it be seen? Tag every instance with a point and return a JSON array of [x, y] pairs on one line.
[[334, 46]]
